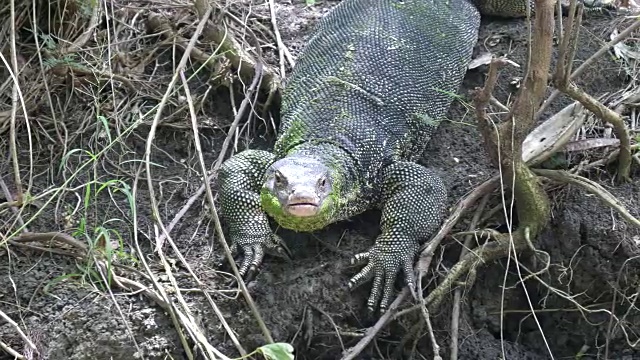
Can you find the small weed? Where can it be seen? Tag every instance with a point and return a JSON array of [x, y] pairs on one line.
[[275, 351]]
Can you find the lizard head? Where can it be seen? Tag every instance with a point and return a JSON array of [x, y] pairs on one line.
[[300, 184]]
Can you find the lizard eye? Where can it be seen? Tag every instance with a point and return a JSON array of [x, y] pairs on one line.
[[279, 178], [323, 181]]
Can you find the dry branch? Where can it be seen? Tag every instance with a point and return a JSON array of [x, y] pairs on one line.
[[222, 35], [457, 295], [500, 248], [195, 332], [532, 203], [608, 115], [249, 70], [592, 187], [161, 297], [603, 50], [562, 81]]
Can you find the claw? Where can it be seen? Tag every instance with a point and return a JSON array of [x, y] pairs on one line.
[[248, 268], [246, 260], [251, 274], [360, 258], [362, 277], [410, 280], [253, 254], [384, 265], [258, 256], [284, 253], [387, 292], [277, 247], [376, 289]]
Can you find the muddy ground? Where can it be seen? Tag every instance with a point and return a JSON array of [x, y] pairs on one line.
[[593, 251]]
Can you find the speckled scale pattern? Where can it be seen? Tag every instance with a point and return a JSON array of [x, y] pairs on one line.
[[364, 98], [239, 181], [377, 76], [414, 201], [506, 8], [376, 79]]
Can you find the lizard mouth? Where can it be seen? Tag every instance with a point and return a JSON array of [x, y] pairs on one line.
[[303, 209]]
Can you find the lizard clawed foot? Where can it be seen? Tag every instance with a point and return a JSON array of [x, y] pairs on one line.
[[253, 252], [277, 247], [384, 264]]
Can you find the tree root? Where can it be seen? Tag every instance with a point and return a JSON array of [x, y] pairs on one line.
[[504, 146], [499, 248], [421, 267], [592, 187], [457, 295], [219, 33]]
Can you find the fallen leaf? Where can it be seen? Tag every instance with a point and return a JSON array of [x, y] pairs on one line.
[[587, 144]]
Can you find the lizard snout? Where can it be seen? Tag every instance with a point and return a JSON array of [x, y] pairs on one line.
[[303, 202]]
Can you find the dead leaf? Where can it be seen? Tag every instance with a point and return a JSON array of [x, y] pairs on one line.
[[553, 134], [485, 59], [587, 144]]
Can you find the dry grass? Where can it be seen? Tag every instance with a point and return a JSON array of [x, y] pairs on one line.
[[85, 77]]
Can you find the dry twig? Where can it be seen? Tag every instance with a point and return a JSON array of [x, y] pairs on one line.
[[194, 329], [562, 81], [457, 295], [426, 255]]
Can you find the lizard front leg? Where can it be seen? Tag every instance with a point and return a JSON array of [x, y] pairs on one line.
[[413, 205], [240, 179]]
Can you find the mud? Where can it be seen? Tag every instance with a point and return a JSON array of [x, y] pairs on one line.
[[591, 250]]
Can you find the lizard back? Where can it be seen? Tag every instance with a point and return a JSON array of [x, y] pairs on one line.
[[377, 76]]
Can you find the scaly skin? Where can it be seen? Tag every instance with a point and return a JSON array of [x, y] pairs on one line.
[[356, 112], [364, 98], [240, 179]]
